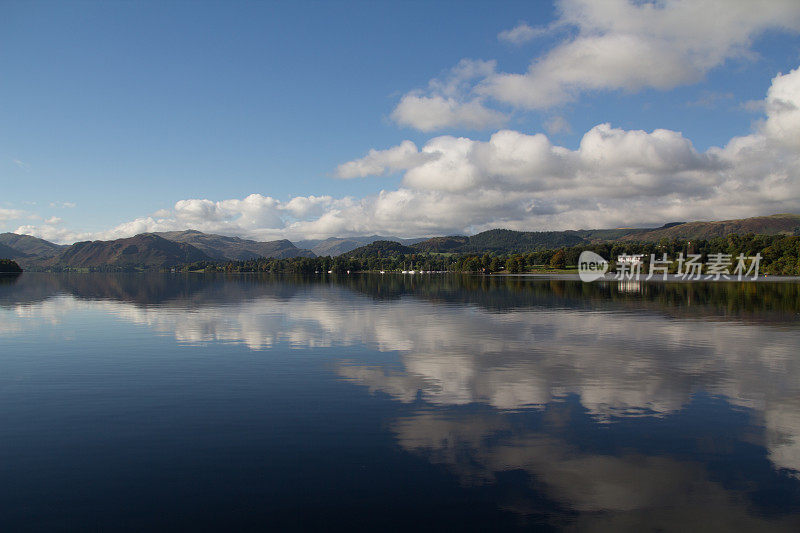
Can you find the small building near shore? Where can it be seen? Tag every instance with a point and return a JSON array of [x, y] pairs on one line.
[[632, 260]]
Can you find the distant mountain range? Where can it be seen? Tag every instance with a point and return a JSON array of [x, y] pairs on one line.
[[147, 250], [222, 247], [160, 250]]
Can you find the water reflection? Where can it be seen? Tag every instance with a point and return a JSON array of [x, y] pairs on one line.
[[623, 405], [623, 489]]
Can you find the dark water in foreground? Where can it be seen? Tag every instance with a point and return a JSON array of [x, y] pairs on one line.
[[200, 402]]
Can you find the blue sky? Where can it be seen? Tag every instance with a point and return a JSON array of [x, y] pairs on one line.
[[112, 114]]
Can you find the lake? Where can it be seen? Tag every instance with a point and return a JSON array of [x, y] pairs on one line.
[[140, 402]]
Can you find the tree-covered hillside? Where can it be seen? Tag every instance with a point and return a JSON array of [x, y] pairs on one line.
[[501, 241], [380, 249]]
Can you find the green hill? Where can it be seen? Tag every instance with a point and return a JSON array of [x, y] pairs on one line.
[[28, 250], [334, 246], [31, 246], [504, 240], [6, 252], [501, 240], [380, 249], [783, 224], [509, 241], [442, 244]]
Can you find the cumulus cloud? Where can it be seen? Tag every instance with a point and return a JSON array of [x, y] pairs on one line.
[[446, 102], [307, 206], [609, 162], [520, 34], [55, 234], [783, 110], [429, 113], [625, 45], [10, 214], [379, 162], [613, 45], [516, 180], [615, 177]]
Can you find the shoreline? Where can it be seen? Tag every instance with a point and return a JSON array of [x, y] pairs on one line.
[[570, 276]]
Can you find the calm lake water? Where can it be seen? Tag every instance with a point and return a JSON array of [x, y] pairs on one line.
[[139, 402]]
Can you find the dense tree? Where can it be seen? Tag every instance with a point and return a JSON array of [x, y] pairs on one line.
[[9, 266], [559, 259]]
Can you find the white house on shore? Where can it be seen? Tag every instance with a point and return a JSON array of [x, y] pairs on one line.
[[632, 260]]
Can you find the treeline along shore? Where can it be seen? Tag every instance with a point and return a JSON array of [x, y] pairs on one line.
[[780, 255]]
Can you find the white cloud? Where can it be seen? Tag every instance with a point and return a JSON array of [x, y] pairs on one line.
[[55, 233], [783, 110], [379, 162], [307, 206], [520, 34], [446, 103], [615, 177], [556, 125], [610, 162], [614, 45], [523, 181], [622, 45], [429, 113], [10, 214]]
